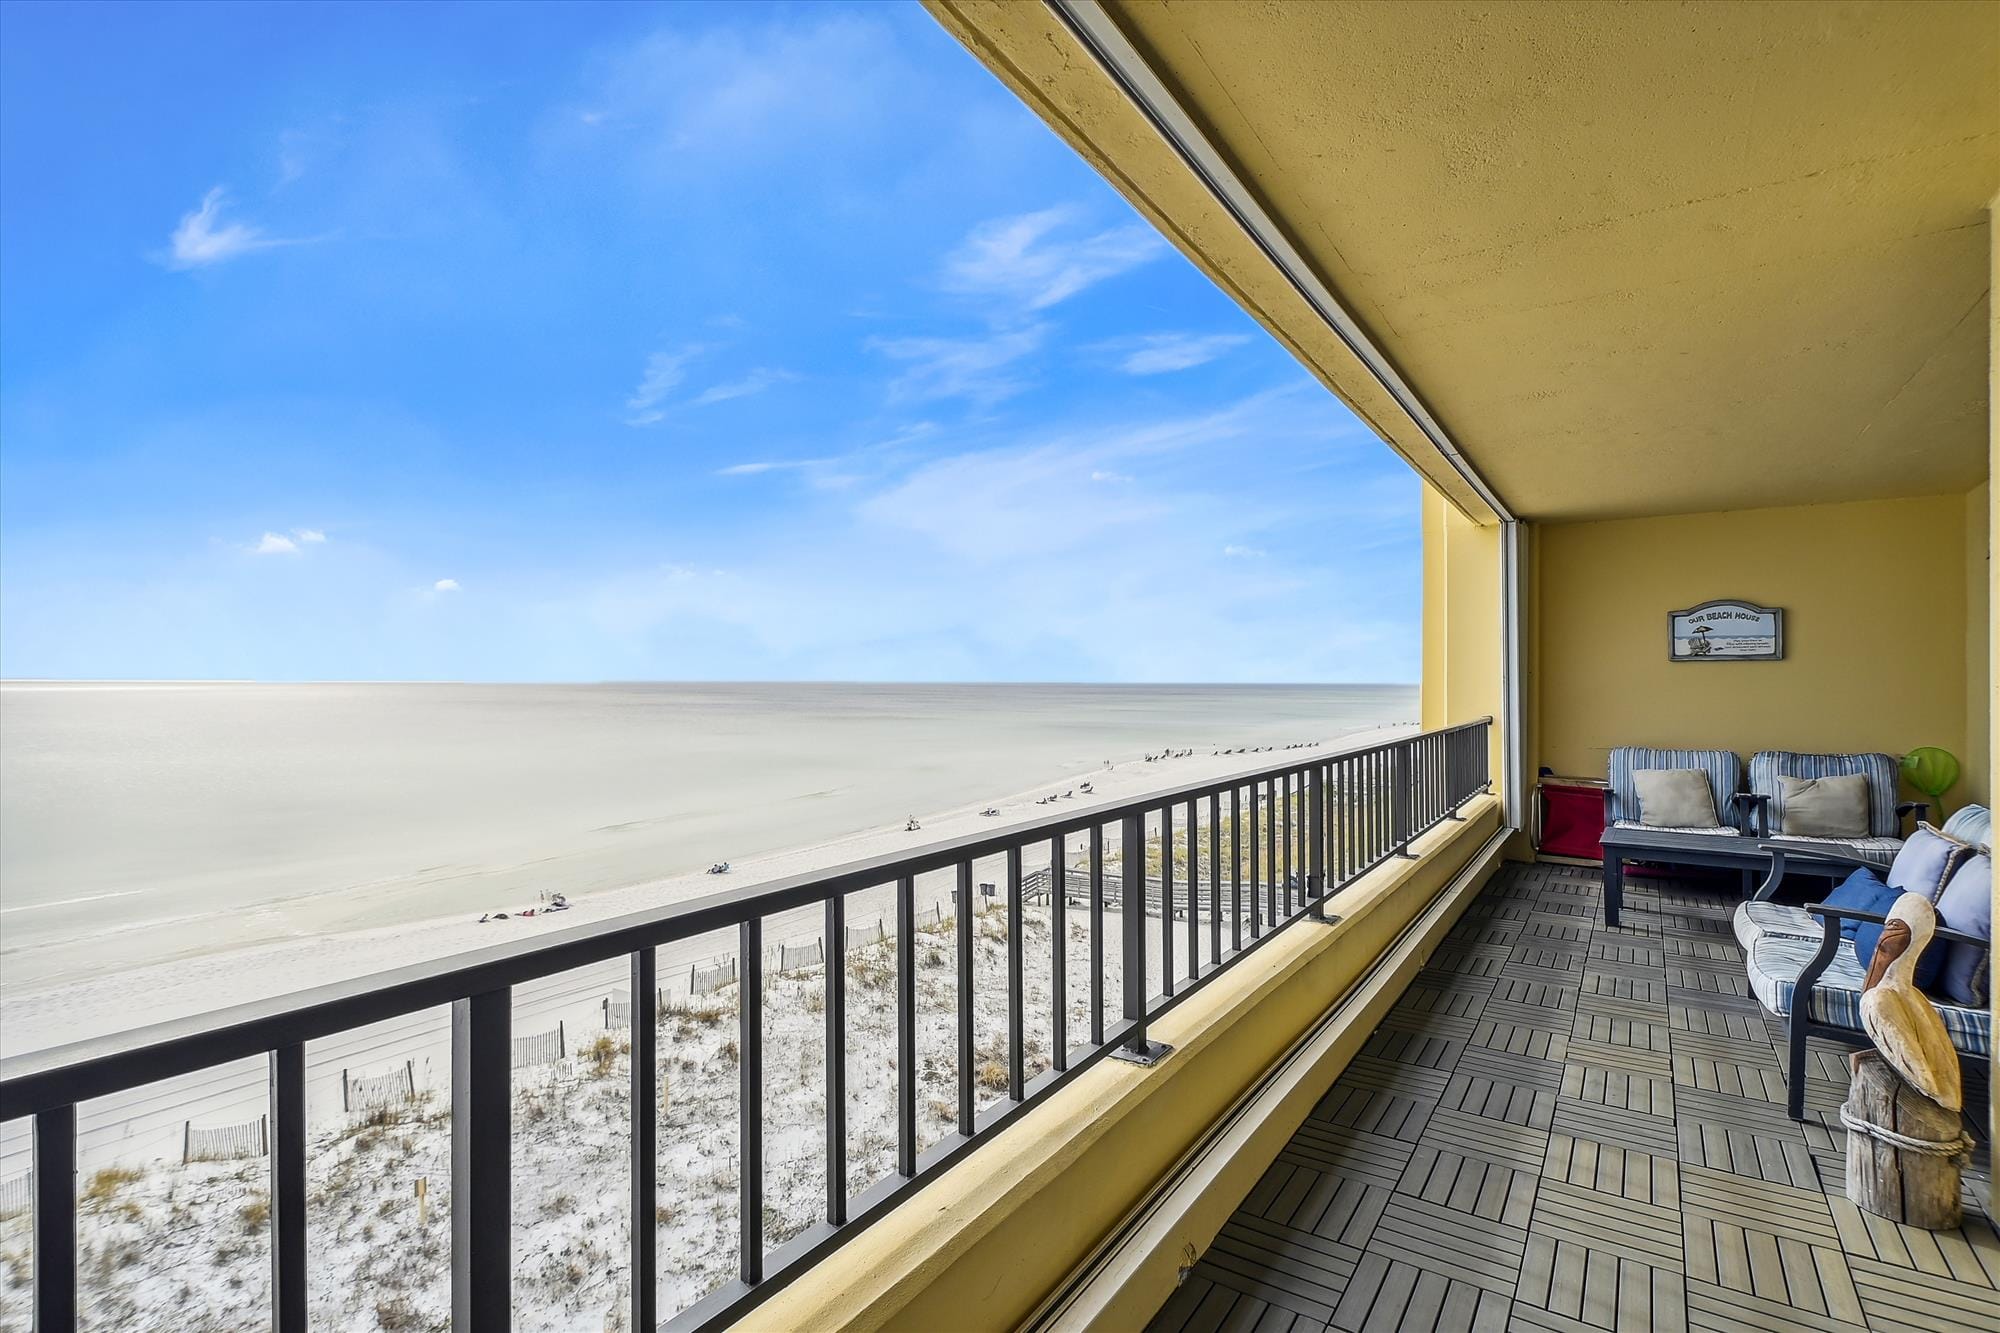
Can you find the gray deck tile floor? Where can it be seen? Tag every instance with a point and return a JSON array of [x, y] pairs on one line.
[[1565, 1127]]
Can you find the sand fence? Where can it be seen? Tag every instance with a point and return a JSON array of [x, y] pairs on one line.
[[541, 1048], [369, 1092], [223, 1143]]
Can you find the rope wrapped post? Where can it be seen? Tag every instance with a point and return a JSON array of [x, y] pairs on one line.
[[1905, 1153]]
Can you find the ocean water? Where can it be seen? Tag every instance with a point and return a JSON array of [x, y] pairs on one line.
[[183, 818]]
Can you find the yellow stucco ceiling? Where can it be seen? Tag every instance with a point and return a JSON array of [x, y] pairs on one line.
[[1636, 258]]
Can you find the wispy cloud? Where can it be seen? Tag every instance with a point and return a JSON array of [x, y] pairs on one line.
[[730, 99], [1163, 353], [755, 382], [982, 369], [772, 465], [445, 585], [1036, 260], [203, 238], [663, 374], [1104, 475], [1235, 552], [279, 543]]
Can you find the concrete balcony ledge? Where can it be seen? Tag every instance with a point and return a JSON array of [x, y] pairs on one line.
[[1083, 1211]]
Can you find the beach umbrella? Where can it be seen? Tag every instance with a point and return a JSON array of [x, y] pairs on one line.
[[1931, 771]]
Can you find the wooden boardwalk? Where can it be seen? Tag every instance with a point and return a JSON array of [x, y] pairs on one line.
[[1565, 1127]]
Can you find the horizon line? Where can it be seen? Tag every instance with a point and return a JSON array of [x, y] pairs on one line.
[[663, 680]]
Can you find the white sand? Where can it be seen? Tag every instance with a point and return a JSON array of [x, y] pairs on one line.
[[100, 1006], [173, 1249]]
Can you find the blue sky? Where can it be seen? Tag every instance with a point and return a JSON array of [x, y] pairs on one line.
[[621, 342]]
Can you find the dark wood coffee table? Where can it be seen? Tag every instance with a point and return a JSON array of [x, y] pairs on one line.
[[1716, 851]]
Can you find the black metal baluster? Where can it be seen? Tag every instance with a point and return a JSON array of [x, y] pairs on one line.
[[1256, 804], [482, 1172], [1315, 820], [1133, 920], [834, 951], [1377, 808], [1387, 761], [1214, 879], [1420, 795], [1193, 915], [55, 1219], [1058, 953], [288, 1188], [1391, 805], [1302, 839], [1285, 822], [1434, 767], [1016, 1001], [1134, 1046], [1350, 801], [750, 1102], [1400, 806], [967, 1106], [1364, 814], [645, 1138], [1166, 900], [1097, 934], [906, 1026], [1236, 869], [1271, 850]]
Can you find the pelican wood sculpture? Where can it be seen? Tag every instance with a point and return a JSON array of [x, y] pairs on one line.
[[1904, 1141]]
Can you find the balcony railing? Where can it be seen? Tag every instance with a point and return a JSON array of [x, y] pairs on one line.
[[1298, 832]]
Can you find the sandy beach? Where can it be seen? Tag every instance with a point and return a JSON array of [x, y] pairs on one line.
[[37, 1018]]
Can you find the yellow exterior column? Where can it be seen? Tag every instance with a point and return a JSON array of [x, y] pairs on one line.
[[1464, 639]]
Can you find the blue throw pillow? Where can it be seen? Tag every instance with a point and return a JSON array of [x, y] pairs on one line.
[[1862, 891], [1926, 862], [1966, 906], [1928, 966]]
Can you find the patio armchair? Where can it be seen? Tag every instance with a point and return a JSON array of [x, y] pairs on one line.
[[1781, 961], [1627, 837], [1722, 768]]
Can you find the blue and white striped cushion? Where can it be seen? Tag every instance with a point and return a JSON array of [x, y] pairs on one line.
[[1724, 769], [1775, 962], [1754, 920], [1875, 851], [1767, 766], [1971, 824]]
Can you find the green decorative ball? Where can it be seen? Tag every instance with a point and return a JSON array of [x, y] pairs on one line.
[[1930, 770]]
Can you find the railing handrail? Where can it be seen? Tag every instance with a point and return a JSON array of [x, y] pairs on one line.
[[78, 1071]]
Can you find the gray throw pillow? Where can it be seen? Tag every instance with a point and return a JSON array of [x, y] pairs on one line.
[[1675, 798], [1824, 807]]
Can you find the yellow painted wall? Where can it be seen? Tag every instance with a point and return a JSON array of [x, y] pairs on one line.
[[984, 1244], [1876, 651]]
